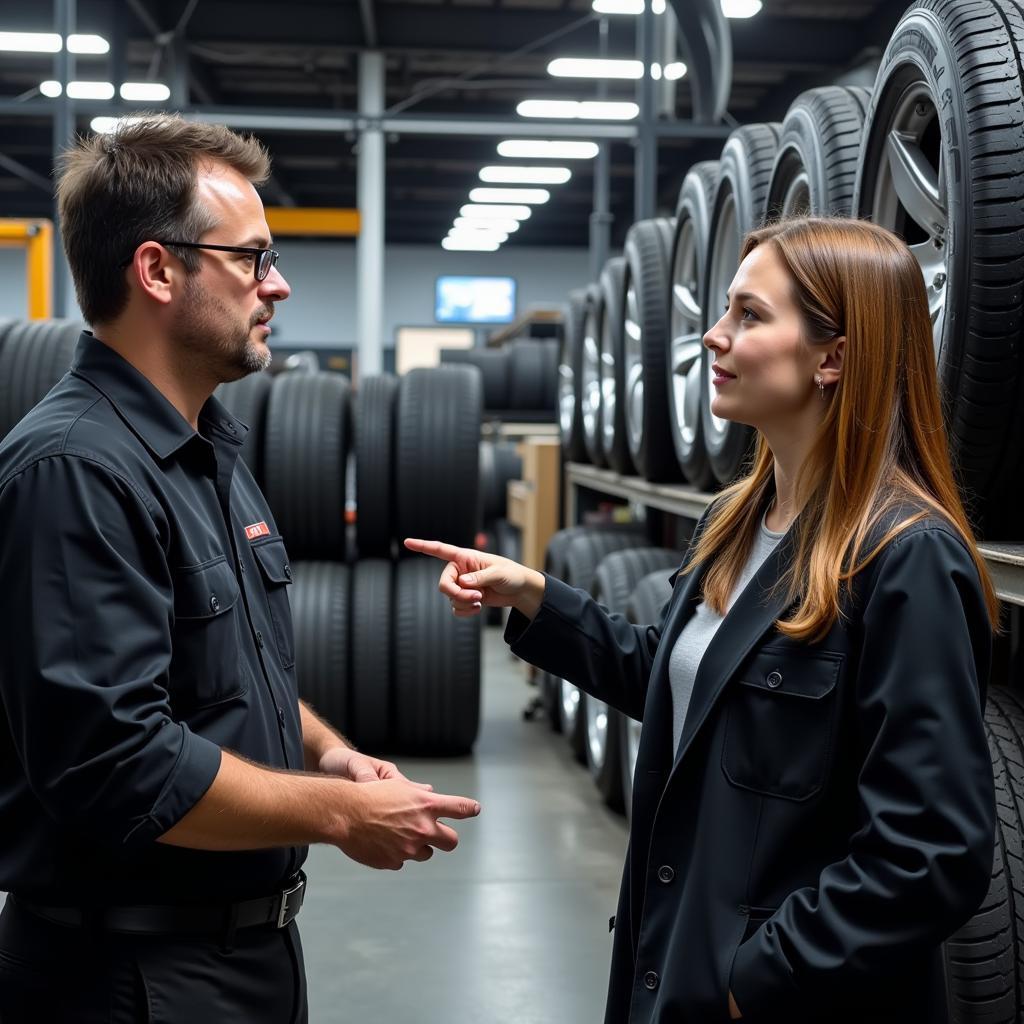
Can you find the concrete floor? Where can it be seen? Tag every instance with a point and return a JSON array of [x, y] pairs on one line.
[[512, 926]]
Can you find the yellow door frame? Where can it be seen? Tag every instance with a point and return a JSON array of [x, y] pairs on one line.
[[36, 237]]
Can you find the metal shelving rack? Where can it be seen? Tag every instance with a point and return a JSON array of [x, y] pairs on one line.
[[1005, 560]]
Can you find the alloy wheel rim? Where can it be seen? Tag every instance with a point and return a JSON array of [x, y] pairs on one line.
[[725, 260], [597, 731], [634, 365], [686, 347], [570, 698]]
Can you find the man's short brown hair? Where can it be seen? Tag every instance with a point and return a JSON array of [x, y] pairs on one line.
[[135, 184]]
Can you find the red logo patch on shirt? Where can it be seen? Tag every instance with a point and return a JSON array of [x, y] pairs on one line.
[[257, 530]]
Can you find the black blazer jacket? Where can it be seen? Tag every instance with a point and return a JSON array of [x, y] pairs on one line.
[[828, 818]]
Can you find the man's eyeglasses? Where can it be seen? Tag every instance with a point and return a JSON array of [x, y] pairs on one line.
[[263, 261]]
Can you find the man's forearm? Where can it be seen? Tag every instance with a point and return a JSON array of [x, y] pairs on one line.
[[317, 737], [249, 807]]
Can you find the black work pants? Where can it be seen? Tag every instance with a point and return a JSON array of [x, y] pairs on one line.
[[60, 975]]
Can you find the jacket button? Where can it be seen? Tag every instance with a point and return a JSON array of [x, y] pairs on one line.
[[665, 874], [214, 603], [650, 981], [280, 716], [288, 572], [774, 679], [259, 639]]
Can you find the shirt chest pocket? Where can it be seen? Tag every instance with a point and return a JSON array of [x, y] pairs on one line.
[[205, 665], [780, 723], [276, 573]]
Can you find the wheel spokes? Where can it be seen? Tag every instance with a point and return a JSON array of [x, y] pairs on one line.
[[916, 183], [685, 303]]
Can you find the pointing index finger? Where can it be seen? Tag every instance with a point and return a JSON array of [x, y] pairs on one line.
[[446, 552]]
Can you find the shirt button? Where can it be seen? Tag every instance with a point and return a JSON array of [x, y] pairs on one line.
[[214, 603], [650, 981], [665, 874], [259, 639], [774, 679]]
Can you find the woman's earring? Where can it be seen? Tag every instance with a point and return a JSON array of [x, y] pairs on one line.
[[821, 384]]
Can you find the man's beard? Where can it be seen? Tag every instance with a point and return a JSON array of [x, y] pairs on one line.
[[214, 338]]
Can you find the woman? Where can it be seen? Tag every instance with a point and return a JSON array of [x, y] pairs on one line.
[[813, 805]]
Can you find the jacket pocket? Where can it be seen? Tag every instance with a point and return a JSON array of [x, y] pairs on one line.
[[205, 664], [272, 558], [780, 720]]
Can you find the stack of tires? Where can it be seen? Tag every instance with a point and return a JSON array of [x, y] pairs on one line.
[[520, 379], [34, 355], [378, 653]]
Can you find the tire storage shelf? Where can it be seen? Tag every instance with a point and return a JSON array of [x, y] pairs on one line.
[[1005, 560]]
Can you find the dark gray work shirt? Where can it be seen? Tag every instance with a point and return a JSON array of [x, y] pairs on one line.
[[146, 626]]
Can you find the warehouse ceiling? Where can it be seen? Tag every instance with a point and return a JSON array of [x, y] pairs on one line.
[[453, 58]]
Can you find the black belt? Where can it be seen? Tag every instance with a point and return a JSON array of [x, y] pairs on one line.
[[280, 909]]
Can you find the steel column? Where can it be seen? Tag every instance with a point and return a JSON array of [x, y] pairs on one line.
[[370, 200], [601, 217], [645, 157], [63, 136]]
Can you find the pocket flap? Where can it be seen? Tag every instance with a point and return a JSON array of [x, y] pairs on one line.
[[204, 591], [786, 673], [273, 560]]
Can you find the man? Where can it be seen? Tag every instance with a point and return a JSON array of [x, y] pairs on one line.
[[159, 778]]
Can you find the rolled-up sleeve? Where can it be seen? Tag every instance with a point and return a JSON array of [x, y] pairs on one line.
[[88, 604]]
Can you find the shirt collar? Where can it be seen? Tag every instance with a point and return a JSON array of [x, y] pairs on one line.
[[149, 415]]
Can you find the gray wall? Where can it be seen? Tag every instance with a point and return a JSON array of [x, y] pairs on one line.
[[322, 307]]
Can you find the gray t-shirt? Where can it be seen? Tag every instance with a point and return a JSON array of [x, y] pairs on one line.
[[696, 635]]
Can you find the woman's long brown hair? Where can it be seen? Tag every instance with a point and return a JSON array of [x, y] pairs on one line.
[[882, 443]]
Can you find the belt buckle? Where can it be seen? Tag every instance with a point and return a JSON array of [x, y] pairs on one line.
[[291, 902]]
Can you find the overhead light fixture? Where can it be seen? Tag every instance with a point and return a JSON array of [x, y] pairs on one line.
[[741, 8], [598, 110], [511, 175], [461, 234], [87, 44], [508, 224], [526, 149], [51, 42], [104, 125], [587, 67], [79, 90], [675, 71], [626, 6], [469, 245], [487, 212], [147, 92], [533, 196]]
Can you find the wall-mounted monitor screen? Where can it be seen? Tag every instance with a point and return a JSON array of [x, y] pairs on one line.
[[475, 300]]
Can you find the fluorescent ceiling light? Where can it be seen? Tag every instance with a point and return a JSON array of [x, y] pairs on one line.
[[79, 90], [88, 44], [468, 245], [532, 196], [526, 175], [478, 236], [149, 92], [626, 6], [675, 71], [741, 8], [570, 109], [50, 88], [489, 212], [526, 149], [103, 125], [587, 67], [508, 224], [30, 42]]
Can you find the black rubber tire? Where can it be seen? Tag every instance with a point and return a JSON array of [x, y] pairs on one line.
[[645, 346], [494, 371], [552, 348], [455, 355], [7, 324], [527, 367], [499, 463], [816, 166], [741, 197], [583, 554], [306, 461], [246, 400], [614, 442], [570, 379], [965, 59], [644, 607], [372, 680], [35, 355], [985, 958], [687, 357], [320, 613], [590, 385], [437, 462], [374, 443], [437, 665], [614, 580]]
